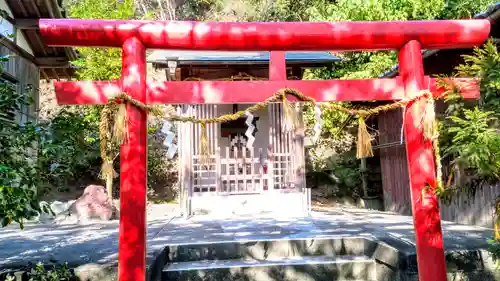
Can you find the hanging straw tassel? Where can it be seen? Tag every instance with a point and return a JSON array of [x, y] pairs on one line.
[[107, 174], [204, 149], [429, 122], [291, 118], [107, 170], [121, 124], [431, 133], [364, 145], [105, 139]]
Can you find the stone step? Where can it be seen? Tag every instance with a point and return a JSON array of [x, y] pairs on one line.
[[272, 249], [311, 268]]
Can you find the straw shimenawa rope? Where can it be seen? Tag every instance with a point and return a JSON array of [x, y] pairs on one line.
[[364, 147], [114, 111], [106, 136]]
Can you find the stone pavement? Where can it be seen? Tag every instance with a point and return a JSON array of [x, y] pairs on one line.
[[372, 224], [97, 243]]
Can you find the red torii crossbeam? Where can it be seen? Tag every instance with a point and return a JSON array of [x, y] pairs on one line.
[[134, 37], [220, 92]]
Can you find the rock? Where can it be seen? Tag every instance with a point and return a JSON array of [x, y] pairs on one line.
[[59, 207], [94, 203], [95, 272], [43, 218]]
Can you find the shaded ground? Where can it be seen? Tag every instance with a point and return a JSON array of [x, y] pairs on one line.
[[98, 242]]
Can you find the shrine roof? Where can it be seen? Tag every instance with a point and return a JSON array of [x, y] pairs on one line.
[[53, 62], [233, 58]]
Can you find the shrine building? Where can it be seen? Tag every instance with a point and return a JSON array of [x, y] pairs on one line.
[[256, 166]]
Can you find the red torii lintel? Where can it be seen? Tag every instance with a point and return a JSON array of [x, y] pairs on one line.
[[221, 92], [266, 36], [134, 37]]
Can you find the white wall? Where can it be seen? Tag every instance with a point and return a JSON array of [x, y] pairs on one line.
[[293, 205]]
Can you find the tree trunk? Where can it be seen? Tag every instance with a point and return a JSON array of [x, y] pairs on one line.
[[142, 6], [171, 7], [162, 11]]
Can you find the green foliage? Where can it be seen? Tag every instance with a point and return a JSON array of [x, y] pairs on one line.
[[464, 9], [60, 151], [475, 143], [373, 64], [58, 273], [101, 9], [200, 10], [18, 167], [358, 65], [279, 10], [70, 157], [376, 10], [40, 273], [162, 172], [69, 149], [469, 134], [340, 172], [38, 157], [100, 63], [484, 63], [361, 65], [347, 173], [494, 250], [365, 64], [334, 121]]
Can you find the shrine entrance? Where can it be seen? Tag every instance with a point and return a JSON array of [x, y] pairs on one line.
[[135, 94], [247, 171], [254, 160]]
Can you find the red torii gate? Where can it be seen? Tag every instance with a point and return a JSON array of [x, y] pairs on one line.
[[409, 37]]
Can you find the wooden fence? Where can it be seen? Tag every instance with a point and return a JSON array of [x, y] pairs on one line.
[[476, 210], [464, 209]]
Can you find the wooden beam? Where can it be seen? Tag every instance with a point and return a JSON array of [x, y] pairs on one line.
[[26, 24], [228, 92], [50, 8], [68, 66], [66, 73], [16, 49], [32, 24], [56, 76], [22, 8], [44, 74], [35, 8], [52, 62]]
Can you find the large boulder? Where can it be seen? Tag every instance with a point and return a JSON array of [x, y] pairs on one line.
[[93, 204]]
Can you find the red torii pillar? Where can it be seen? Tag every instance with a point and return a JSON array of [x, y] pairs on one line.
[[134, 37]]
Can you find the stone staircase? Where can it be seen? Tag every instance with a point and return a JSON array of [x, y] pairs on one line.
[[318, 259]]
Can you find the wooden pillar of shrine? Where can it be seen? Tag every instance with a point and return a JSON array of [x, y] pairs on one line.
[[419, 151], [133, 168]]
